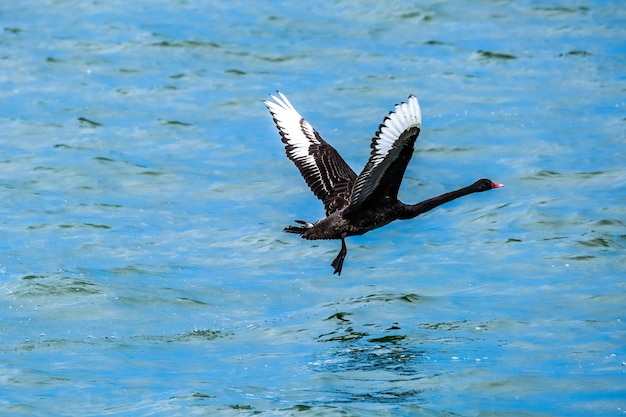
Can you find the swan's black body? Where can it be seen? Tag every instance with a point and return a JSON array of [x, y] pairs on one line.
[[357, 204]]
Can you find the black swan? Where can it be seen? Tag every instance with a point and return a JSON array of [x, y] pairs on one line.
[[357, 204]]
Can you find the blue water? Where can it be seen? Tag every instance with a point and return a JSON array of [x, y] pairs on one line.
[[143, 268]]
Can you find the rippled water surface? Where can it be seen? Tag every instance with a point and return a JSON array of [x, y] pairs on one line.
[[143, 268]]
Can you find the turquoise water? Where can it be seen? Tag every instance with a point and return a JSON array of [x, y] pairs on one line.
[[143, 268]]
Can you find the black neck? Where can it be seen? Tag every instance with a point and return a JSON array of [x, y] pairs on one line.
[[413, 210]]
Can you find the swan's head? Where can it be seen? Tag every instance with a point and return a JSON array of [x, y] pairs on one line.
[[485, 184]]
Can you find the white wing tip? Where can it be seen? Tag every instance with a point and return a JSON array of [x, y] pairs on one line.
[[279, 100], [415, 109]]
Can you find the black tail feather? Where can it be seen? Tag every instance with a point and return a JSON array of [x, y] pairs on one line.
[[298, 229]]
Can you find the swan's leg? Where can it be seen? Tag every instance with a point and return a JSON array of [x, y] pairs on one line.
[[338, 262]]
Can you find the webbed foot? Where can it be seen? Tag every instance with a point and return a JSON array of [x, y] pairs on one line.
[[298, 229], [338, 262]]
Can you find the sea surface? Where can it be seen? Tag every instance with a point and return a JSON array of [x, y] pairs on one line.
[[144, 190]]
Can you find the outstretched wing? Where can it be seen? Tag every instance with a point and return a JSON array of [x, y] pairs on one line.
[[392, 148], [324, 170]]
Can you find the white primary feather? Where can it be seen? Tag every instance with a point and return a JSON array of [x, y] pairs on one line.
[[296, 131], [405, 116]]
